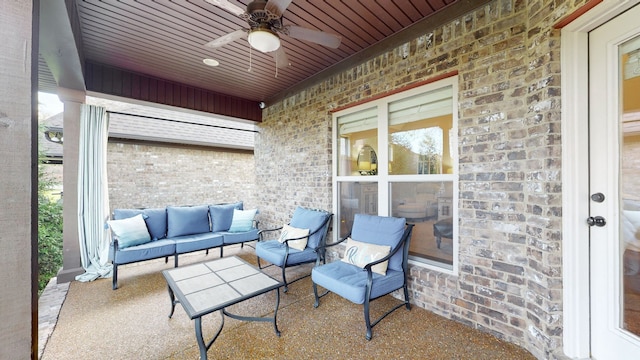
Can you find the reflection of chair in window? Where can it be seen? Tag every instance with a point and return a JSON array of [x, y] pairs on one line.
[[443, 228], [375, 264]]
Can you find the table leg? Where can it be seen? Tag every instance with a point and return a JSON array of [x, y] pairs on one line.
[[275, 313], [200, 338], [251, 318], [173, 301]]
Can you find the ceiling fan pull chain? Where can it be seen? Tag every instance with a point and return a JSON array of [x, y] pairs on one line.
[[276, 67], [249, 69]]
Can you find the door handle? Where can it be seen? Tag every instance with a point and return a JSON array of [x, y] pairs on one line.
[[597, 221]]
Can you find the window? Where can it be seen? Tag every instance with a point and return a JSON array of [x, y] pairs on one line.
[[395, 156]]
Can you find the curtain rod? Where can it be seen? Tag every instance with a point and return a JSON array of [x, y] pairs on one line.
[[179, 121]]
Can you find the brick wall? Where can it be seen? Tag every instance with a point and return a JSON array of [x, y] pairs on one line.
[[157, 175], [507, 56]]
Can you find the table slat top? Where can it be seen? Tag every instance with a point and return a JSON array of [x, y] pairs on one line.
[[207, 287]]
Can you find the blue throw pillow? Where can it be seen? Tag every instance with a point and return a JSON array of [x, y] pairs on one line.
[[242, 220], [187, 220], [130, 231], [222, 215]]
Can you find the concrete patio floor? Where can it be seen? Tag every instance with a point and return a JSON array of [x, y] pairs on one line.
[[131, 323]]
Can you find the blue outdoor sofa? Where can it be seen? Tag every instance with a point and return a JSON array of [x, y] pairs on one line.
[[176, 230]]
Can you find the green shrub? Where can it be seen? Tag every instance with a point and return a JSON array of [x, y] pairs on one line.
[[49, 240], [49, 229]]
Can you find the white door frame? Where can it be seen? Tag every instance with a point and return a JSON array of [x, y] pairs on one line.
[[575, 174]]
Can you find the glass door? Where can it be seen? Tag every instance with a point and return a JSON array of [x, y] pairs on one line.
[[614, 141]]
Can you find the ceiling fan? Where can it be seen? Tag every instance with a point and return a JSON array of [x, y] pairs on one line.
[[265, 23]]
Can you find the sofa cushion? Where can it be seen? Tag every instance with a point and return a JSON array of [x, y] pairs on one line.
[[187, 220], [309, 219], [146, 251], [194, 242], [222, 215], [360, 254], [130, 231], [242, 220], [156, 220], [290, 232]]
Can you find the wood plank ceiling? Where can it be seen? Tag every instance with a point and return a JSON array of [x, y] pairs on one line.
[[165, 39]]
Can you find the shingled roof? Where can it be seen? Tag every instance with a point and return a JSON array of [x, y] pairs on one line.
[[144, 123]]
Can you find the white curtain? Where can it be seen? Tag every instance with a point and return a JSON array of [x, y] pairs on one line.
[[93, 199]]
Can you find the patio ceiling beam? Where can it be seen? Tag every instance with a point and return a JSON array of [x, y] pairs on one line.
[[60, 43]]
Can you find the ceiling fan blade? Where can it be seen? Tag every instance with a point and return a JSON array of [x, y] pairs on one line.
[[277, 7], [225, 4], [225, 39], [318, 37], [280, 56]]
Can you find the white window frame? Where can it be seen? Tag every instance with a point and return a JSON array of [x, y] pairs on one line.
[[384, 179]]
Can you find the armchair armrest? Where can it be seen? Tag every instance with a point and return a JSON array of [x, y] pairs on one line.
[[376, 262], [286, 242], [325, 245], [262, 231], [322, 248], [115, 245]]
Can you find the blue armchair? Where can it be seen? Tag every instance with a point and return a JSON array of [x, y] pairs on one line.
[[361, 275], [288, 251]]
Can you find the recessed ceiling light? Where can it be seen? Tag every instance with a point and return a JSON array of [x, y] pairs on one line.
[[211, 62]]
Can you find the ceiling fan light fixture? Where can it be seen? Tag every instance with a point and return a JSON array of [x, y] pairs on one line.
[[263, 40]]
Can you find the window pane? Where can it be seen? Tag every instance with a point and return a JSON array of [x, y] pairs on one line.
[[428, 205], [358, 142], [355, 198], [419, 130]]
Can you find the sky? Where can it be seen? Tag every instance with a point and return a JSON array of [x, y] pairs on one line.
[[49, 105]]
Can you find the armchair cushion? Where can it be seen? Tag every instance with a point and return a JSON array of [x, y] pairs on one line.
[[273, 251], [381, 230], [130, 231], [222, 215], [187, 220], [290, 232], [242, 220], [310, 219], [360, 254], [350, 281]]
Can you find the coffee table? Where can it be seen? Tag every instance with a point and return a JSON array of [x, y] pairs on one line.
[[211, 286]]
